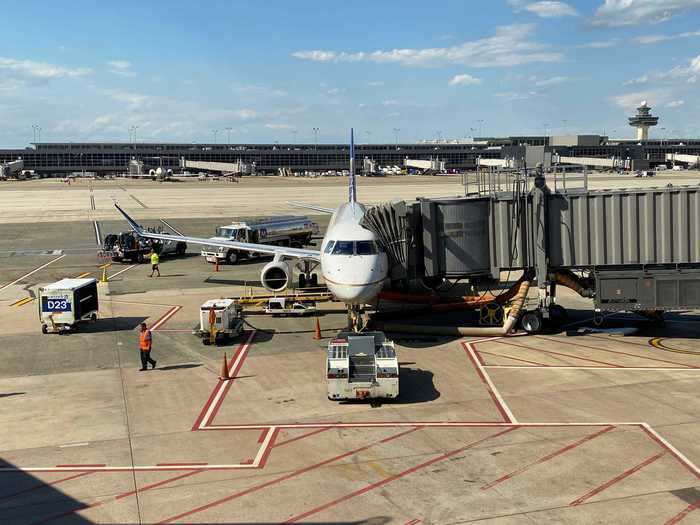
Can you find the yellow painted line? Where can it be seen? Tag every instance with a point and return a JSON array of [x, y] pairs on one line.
[[105, 266], [83, 275], [657, 342], [22, 302]]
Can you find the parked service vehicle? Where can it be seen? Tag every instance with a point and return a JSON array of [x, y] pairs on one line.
[[283, 306], [361, 366], [63, 304], [127, 246], [220, 320], [287, 230]]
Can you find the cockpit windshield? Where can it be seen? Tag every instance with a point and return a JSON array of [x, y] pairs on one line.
[[343, 248], [352, 248]]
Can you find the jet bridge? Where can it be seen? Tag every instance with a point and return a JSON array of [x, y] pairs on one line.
[[629, 249]]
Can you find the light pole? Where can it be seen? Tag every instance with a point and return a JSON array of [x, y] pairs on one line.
[[396, 137], [294, 132], [215, 132], [439, 136], [481, 124], [315, 138], [228, 131], [368, 133], [35, 131]]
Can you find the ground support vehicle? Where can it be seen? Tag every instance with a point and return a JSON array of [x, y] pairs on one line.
[[64, 304], [296, 231], [220, 320], [127, 246], [282, 306], [362, 366]]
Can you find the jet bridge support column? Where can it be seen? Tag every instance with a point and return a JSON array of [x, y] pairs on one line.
[[540, 194]]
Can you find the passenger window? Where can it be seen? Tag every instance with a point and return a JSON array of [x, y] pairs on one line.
[[365, 248], [343, 248], [329, 246]]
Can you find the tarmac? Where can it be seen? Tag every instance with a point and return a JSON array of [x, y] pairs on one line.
[[572, 427]]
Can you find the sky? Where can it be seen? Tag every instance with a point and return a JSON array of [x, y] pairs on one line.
[[273, 70]]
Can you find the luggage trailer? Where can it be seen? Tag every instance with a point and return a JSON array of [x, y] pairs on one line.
[[362, 366]]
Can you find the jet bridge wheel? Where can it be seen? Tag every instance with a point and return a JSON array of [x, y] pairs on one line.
[[532, 322]]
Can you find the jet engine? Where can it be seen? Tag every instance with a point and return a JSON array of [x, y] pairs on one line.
[[276, 276]]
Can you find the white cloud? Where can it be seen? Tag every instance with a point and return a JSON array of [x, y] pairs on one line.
[[639, 80], [632, 12], [510, 46], [390, 103], [243, 114], [630, 101], [121, 68], [675, 103], [376, 83], [549, 9], [601, 44], [552, 81], [41, 70], [464, 80], [260, 90], [689, 73], [279, 126], [653, 39], [510, 96], [133, 100]]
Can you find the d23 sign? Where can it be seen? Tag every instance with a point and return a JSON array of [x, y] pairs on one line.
[[55, 304]]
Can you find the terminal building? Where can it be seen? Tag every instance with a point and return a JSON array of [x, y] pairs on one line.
[[596, 151]]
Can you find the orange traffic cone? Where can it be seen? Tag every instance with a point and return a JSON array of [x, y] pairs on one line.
[[317, 330], [224, 374], [216, 265]]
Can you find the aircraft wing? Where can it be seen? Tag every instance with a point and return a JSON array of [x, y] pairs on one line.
[[294, 253], [330, 211]]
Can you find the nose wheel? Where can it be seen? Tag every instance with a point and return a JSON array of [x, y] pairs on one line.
[[356, 322]]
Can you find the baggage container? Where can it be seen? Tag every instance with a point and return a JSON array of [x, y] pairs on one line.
[[64, 304]]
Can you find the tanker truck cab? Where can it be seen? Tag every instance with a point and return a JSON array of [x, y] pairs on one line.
[[361, 366], [295, 231]]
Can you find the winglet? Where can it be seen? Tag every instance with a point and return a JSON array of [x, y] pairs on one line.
[[134, 225]]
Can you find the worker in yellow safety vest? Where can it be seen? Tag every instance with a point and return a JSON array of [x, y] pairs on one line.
[[155, 260], [145, 345]]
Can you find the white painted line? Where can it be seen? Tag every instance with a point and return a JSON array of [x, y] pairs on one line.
[[135, 468], [493, 388], [205, 420], [431, 424], [639, 368], [121, 271], [673, 449], [74, 445], [265, 445], [32, 272], [98, 236], [168, 315]]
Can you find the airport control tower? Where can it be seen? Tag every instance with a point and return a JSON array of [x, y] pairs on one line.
[[643, 120]]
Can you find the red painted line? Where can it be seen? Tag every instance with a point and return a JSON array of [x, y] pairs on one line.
[[621, 353], [559, 353], [262, 435], [515, 359], [206, 406], [158, 484], [394, 477], [84, 465], [681, 460], [45, 484], [279, 479], [543, 459], [270, 446], [682, 514], [170, 313], [500, 409], [308, 434], [478, 356], [413, 522], [616, 479]]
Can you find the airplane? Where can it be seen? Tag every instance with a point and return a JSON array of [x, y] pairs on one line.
[[353, 264]]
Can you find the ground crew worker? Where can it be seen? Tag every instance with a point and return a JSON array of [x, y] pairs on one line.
[[145, 345], [155, 259]]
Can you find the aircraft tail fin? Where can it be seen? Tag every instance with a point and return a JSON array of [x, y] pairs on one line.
[[352, 190]]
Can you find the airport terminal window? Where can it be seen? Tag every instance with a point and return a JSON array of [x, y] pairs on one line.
[[343, 248], [365, 248]]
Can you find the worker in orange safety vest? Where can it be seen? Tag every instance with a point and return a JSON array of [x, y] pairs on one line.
[[145, 345]]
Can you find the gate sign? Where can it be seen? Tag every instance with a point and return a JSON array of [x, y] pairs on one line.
[[55, 304]]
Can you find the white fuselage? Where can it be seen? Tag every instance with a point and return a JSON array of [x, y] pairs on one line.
[[353, 265]]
